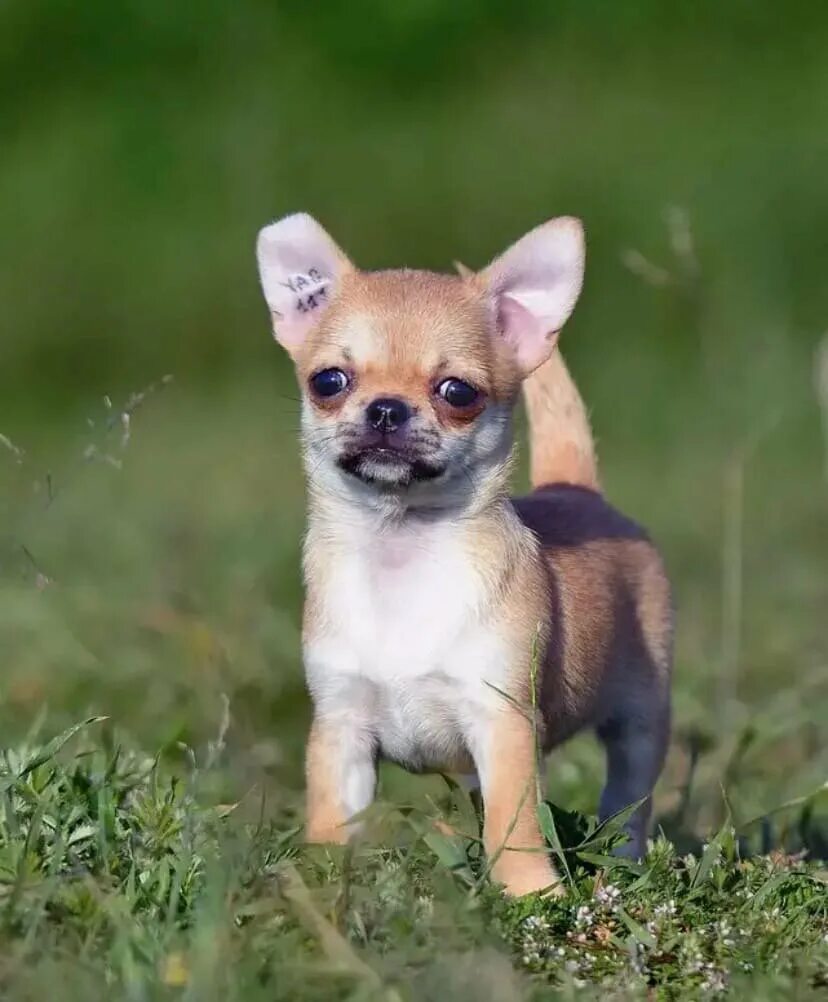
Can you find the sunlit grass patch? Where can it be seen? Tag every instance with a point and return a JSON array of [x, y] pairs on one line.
[[117, 869]]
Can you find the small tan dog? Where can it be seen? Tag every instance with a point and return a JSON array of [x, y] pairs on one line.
[[428, 588]]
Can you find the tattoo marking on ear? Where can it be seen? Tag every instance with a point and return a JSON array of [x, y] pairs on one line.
[[313, 280], [311, 301]]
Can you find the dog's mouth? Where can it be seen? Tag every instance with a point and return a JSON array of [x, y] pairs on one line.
[[389, 467]]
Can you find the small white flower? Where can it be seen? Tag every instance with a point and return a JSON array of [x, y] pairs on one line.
[[723, 927], [609, 896], [715, 980]]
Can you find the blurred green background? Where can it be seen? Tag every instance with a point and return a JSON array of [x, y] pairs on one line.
[[142, 144]]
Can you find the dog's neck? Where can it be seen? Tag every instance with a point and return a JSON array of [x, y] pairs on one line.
[[479, 534]]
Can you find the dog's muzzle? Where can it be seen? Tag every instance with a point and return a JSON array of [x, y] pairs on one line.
[[386, 466]]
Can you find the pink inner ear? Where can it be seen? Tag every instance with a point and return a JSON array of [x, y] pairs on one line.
[[527, 334]]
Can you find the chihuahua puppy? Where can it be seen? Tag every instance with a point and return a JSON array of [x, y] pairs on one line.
[[447, 626]]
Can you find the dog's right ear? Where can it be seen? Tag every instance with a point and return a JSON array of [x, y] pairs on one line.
[[534, 286], [300, 267]]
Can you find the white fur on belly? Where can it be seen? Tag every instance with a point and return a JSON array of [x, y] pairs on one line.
[[402, 651]]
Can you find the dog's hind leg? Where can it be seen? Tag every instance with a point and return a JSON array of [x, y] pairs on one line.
[[635, 747]]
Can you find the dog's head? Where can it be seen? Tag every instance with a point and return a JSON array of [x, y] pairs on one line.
[[409, 378]]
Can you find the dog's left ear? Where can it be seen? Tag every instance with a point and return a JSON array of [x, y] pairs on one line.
[[534, 286], [300, 267]]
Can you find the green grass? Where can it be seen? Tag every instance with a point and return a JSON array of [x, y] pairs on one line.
[[122, 879]]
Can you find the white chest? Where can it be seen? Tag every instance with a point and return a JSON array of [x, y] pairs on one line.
[[402, 645]]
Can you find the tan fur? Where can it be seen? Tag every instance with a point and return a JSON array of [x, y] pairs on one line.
[[414, 324], [600, 629], [511, 836], [560, 442], [326, 819], [570, 597]]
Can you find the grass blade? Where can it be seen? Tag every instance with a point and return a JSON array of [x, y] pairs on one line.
[[549, 829], [48, 751]]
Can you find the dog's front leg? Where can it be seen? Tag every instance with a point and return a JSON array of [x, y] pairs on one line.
[[341, 775], [504, 750]]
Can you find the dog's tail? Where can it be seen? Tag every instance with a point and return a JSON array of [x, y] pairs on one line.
[[561, 447]]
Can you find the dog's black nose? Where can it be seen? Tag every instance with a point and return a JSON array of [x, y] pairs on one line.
[[387, 414]]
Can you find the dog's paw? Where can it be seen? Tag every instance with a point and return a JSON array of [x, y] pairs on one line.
[[528, 874], [326, 834]]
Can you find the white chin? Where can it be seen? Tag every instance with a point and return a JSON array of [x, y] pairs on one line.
[[384, 472]]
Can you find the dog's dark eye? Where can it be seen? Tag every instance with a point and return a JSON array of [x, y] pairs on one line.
[[457, 393], [328, 382]]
